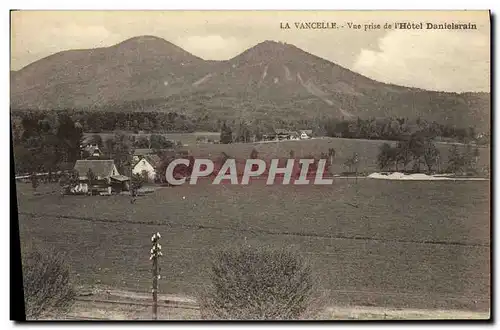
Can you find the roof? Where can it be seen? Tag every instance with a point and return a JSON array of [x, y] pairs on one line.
[[143, 151], [154, 160], [101, 168], [87, 139], [283, 131], [92, 149], [120, 177]]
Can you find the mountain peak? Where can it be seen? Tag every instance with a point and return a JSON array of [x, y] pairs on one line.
[[148, 45], [267, 50], [145, 40], [272, 46]]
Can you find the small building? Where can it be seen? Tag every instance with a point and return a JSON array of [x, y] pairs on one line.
[[104, 172], [281, 134], [120, 183], [148, 164], [90, 149], [93, 151], [305, 134]]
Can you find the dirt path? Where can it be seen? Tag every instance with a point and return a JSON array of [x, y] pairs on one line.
[[103, 304]]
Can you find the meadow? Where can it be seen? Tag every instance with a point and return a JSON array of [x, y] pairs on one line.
[[367, 150], [374, 243]]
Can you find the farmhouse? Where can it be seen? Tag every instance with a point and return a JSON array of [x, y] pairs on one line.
[[281, 134], [105, 173], [305, 134], [148, 164], [93, 151], [89, 149]]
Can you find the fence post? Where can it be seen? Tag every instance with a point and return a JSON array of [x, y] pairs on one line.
[[155, 254]]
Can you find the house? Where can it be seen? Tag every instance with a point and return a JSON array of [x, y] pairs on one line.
[[280, 134], [104, 171], [89, 149], [148, 164], [305, 134], [120, 183], [93, 151]]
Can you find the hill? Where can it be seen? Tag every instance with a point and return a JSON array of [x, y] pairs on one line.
[[271, 79]]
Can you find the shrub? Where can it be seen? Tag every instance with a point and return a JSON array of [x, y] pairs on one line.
[[258, 284], [46, 282]]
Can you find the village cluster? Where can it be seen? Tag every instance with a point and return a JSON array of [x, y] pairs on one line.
[[102, 175]]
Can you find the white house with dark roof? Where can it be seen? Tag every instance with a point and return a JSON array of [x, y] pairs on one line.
[[149, 164], [305, 134]]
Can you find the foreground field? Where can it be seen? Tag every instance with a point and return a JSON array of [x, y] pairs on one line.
[[375, 243], [123, 305]]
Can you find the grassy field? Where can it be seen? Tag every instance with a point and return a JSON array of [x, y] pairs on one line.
[[375, 243], [367, 150]]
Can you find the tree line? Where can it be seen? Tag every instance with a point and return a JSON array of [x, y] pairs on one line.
[[389, 128], [50, 141], [419, 150]]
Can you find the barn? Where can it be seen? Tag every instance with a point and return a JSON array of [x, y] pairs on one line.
[[104, 171]]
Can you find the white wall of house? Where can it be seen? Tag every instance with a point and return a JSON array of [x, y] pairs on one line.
[[114, 171], [144, 165]]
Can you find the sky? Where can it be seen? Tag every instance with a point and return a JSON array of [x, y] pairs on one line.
[[445, 60]]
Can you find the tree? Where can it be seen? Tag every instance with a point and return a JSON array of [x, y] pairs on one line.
[[258, 284], [331, 154], [119, 149], [142, 142], [430, 155], [352, 163], [160, 142], [226, 134], [403, 154], [70, 134], [455, 160], [417, 149], [96, 139], [137, 183], [46, 282], [242, 132], [34, 181], [91, 179], [469, 158], [385, 156]]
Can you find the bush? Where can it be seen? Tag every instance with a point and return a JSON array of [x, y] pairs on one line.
[[258, 284], [46, 282]]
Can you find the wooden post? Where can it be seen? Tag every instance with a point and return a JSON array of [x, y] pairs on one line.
[[155, 288], [155, 253]]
